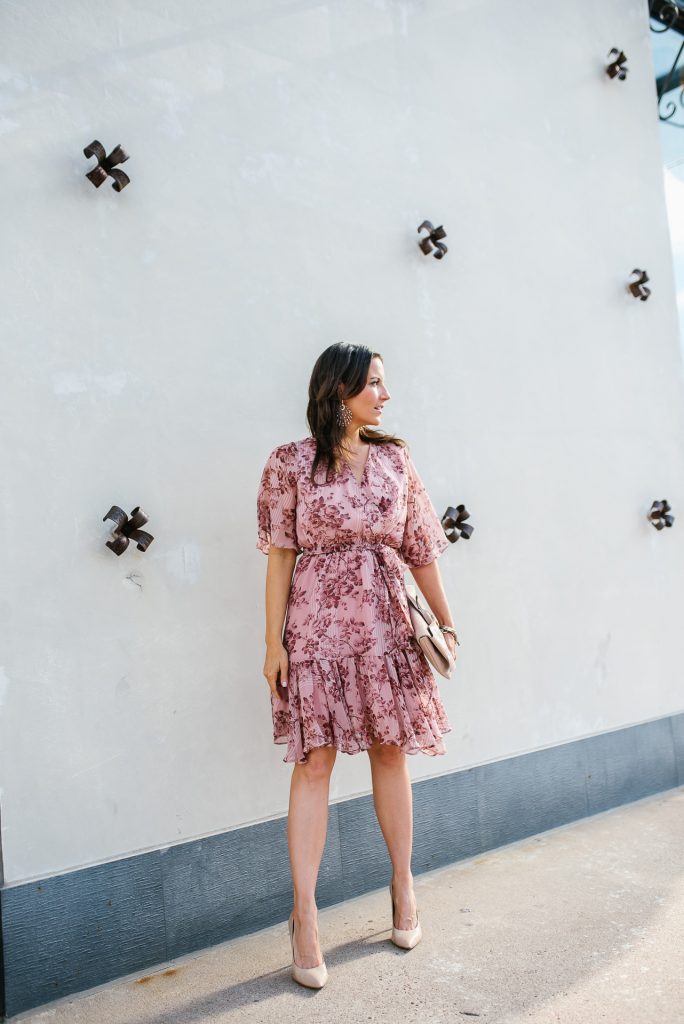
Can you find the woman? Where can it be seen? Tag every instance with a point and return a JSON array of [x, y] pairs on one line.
[[347, 673]]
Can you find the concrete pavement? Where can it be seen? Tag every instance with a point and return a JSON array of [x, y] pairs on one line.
[[581, 924]]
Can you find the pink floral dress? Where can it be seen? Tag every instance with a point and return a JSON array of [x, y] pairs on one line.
[[357, 674]]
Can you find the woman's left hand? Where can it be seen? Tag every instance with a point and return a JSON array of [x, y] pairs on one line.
[[451, 643]]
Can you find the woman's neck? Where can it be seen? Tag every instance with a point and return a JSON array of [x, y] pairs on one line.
[[353, 441]]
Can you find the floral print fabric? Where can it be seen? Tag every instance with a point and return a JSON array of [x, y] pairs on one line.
[[357, 674]]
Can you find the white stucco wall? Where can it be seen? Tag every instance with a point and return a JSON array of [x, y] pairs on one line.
[[158, 343]]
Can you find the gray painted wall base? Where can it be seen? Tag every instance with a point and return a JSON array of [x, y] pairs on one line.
[[69, 932]]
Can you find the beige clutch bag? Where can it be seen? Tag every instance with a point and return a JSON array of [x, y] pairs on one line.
[[428, 634]]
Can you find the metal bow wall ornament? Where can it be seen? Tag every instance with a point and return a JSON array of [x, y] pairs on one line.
[[454, 523], [432, 240], [616, 68], [659, 514], [106, 165], [127, 530], [637, 287]]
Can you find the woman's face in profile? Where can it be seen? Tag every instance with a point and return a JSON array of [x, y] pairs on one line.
[[366, 407]]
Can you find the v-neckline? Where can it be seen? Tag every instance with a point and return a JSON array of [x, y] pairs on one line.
[[359, 483]]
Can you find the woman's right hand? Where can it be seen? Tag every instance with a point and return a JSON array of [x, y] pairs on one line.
[[276, 667]]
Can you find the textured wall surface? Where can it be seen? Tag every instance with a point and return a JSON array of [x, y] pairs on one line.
[[157, 344]]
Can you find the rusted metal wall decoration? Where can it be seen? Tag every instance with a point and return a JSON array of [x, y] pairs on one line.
[[616, 68], [128, 529], [659, 514], [454, 523], [432, 240], [637, 287], [106, 165]]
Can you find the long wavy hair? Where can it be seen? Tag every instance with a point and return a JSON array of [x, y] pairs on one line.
[[344, 365]]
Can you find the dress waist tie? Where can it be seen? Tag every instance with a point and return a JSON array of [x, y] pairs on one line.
[[351, 546]]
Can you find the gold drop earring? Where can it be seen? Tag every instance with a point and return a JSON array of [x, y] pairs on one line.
[[344, 415]]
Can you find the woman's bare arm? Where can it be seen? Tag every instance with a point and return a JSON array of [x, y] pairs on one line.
[[281, 562], [429, 581]]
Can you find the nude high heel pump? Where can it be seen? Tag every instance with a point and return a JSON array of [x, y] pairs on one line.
[[407, 938], [312, 977]]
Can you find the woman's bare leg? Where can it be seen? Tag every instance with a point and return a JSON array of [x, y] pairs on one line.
[[307, 826], [393, 801]]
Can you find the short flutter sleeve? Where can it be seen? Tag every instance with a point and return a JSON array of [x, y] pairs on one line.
[[424, 537], [277, 501]]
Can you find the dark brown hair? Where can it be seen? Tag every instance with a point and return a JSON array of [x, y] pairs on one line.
[[344, 365]]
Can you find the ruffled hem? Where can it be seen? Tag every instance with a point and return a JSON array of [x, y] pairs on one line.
[[352, 703]]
